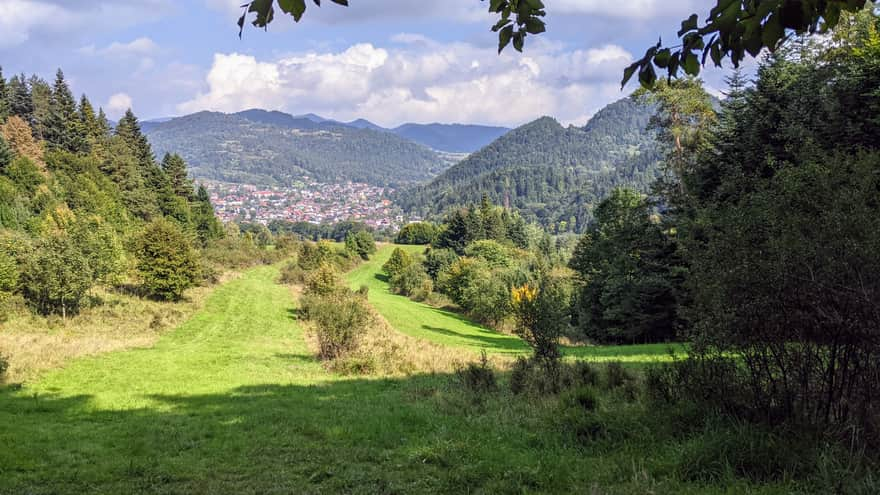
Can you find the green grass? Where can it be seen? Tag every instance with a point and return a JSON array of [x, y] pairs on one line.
[[232, 402], [450, 328]]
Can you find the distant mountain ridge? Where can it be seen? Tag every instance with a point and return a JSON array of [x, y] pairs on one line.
[[449, 138], [552, 174], [262, 147]]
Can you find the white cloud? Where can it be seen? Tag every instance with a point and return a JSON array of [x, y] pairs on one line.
[[25, 20], [118, 104], [629, 9], [443, 82], [136, 48]]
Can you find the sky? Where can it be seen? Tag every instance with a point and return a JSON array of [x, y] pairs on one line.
[[389, 61]]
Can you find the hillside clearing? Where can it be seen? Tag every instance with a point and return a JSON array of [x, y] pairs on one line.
[[446, 327]]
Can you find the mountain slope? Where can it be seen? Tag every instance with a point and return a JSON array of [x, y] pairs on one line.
[[270, 147], [548, 172], [454, 138]]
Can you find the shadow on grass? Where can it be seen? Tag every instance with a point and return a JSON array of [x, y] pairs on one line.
[[486, 339], [362, 436], [382, 277]]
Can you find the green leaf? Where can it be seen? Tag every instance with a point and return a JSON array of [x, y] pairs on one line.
[[661, 59], [647, 76], [773, 32], [688, 24], [519, 40], [344, 3], [504, 37], [497, 5], [296, 8], [500, 24], [535, 4], [691, 64], [628, 73], [535, 26]]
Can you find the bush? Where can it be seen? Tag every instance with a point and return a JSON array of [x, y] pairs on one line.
[[478, 377], [417, 233], [56, 276], [360, 243], [491, 251], [340, 318], [542, 315], [412, 281], [617, 376], [438, 261], [397, 262], [581, 398], [541, 377], [167, 262], [312, 255], [323, 281], [292, 273], [4, 366], [8, 280]]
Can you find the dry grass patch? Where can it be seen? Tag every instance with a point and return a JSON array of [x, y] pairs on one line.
[[114, 321], [384, 351]]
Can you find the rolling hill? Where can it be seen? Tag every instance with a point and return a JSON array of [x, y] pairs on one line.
[[263, 147], [550, 173]]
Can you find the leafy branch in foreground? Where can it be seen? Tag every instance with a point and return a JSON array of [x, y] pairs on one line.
[[732, 29]]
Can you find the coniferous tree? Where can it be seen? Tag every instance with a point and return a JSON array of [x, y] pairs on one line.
[[41, 98], [4, 107], [207, 225], [64, 128], [175, 169], [18, 99]]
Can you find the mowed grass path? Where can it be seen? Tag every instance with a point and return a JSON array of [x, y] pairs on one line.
[[232, 402], [449, 328]]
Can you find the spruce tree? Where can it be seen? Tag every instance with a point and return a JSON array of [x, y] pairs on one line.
[[62, 129], [4, 107], [41, 99], [207, 225], [175, 169], [18, 99]]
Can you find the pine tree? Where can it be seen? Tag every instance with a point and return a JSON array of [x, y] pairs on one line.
[[4, 107], [175, 169], [207, 225], [18, 99], [64, 128], [41, 99]]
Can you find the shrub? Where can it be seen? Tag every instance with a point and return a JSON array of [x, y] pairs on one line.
[[581, 398], [412, 281], [617, 376], [4, 366], [417, 233], [438, 261], [540, 377], [167, 262], [291, 273], [491, 251], [478, 377], [8, 280], [311, 254], [323, 281], [340, 318], [56, 276], [360, 243], [486, 299], [397, 262], [542, 315]]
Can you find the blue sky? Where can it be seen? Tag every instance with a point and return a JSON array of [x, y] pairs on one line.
[[390, 61]]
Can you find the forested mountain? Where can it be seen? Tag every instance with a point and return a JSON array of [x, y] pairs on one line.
[[454, 138], [263, 147], [550, 173]]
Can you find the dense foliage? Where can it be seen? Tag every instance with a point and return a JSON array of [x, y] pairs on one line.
[[82, 205]]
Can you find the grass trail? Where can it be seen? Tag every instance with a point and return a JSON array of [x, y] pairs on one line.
[[232, 402], [449, 328]]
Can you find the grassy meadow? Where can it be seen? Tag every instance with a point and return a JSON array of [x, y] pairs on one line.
[[449, 328], [233, 401]]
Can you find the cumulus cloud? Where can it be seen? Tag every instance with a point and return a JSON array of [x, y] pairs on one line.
[[630, 9], [430, 82], [117, 104]]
